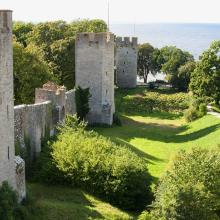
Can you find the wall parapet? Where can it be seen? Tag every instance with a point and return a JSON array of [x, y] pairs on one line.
[[127, 42]]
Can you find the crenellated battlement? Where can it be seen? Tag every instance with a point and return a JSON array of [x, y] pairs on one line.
[[5, 21], [95, 38], [127, 42]]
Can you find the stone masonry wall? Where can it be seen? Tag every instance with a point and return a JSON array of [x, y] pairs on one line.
[[95, 70], [7, 151], [32, 124], [70, 102], [126, 62], [35, 123]]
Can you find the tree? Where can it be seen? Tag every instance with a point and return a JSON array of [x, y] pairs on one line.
[[30, 72], [172, 59], [82, 102], [147, 60], [57, 41], [205, 80], [21, 30], [190, 188], [184, 74]]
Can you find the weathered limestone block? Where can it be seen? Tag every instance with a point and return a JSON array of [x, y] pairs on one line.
[[70, 107], [20, 178], [7, 150], [126, 62], [95, 70]]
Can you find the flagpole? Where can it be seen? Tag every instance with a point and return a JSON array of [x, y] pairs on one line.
[[108, 16]]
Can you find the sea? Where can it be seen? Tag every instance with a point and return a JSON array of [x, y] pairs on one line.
[[195, 38]]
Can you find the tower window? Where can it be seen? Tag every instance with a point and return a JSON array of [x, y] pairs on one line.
[[8, 154]]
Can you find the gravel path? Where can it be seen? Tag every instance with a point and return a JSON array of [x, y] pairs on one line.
[[211, 112]]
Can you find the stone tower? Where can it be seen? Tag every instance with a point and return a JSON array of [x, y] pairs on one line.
[[126, 62], [7, 150], [95, 70]]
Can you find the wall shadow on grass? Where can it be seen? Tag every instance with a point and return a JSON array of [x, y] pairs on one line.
[[166, 133], [59, 202]]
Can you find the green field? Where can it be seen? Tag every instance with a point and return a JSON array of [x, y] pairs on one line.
[[156, 137]]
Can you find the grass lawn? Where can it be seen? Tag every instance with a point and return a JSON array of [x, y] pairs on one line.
[[158, 136], [64, 203]]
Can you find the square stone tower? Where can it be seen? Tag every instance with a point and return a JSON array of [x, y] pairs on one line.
[[95, 70], [126, 62], [7, 150]]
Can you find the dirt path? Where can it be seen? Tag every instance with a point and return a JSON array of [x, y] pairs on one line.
[[211, 112]]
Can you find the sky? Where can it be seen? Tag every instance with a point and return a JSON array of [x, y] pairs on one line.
[[121, 11]]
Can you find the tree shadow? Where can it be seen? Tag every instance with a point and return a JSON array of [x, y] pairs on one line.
[[147, 157], [155, 114]]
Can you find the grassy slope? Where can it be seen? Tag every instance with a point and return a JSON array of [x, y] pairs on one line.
[[156, 137], [63, 203]]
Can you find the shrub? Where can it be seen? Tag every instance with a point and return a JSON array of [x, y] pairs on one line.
[[197, 109], [191, 114], [190, 188], [149, 101], [116, 119], [98, 165], [144, 216], [82, 102], [9, 207], [203, 109]]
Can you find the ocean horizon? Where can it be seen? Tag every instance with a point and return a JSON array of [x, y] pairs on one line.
[[192, 37]]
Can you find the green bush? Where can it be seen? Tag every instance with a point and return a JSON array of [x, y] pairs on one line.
[[197, 109], [149, 101], [190, 188], [116, 119], [191, 114], [144, 216], [95, 163], [9, 207], [203, 109]]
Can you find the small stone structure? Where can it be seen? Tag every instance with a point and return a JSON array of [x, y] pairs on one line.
[[37, 122], [126, 62], [95, 70], [9, 164]]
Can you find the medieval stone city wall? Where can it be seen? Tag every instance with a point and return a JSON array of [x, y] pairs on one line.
[[37, 122], [27, 126], [126, 62], [95, 70]]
